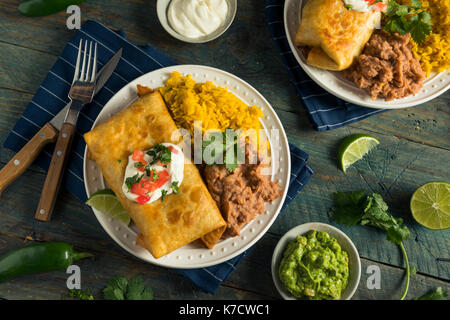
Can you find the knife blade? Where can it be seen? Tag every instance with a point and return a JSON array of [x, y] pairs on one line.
[[49, 132]]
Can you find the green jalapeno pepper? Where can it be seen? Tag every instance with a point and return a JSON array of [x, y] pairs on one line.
[[36, 8], [38, 257]]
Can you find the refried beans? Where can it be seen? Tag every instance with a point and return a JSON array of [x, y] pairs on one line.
[[240, 195], [387, 67]]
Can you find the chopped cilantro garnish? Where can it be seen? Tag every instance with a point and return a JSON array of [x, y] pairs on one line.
[[175, 187], [348, 6], [163, 195], [229, 144], [408, 19], [160, 153], [130, 181], [138, 164], [155, 175]]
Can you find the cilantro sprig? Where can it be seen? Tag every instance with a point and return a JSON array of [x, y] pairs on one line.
[[352, 208], [408, 19], [160, 153], [119, 288], [229, 150]]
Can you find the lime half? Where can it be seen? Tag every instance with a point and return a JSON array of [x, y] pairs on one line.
[[353, 148], [430, 205], [107, 202]]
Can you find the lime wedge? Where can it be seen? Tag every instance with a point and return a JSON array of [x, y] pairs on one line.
[[353, 148], [107, 202], [430, 205]]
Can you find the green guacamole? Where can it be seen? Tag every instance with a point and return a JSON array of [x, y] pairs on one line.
[[314, 267]]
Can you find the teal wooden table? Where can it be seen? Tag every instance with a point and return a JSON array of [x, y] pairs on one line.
[[414, 149]]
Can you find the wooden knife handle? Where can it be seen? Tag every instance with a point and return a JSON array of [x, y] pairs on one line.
[[55, 172], [25, 157]]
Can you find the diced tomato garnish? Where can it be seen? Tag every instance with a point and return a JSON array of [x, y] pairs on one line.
[[145, 185], [173, 150], [143, 163], [142, 187], [138, 155], [380, 6], [163, 177], [143, 199]]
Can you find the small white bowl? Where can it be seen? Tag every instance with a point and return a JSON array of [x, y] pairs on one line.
[[346, 244], [161, 10]]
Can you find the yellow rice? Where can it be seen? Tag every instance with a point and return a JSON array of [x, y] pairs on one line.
[[214, 106], [434, 52]]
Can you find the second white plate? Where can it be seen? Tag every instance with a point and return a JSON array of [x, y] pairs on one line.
[[335, 84], [194, 255]]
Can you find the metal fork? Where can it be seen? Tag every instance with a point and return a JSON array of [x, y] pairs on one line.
[[80, 94], [83, 84]]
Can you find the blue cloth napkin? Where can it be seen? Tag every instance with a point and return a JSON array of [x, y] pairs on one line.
[[325, 110], [51, 97]]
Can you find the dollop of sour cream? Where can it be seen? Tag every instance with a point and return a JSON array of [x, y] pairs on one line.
[[197, 18], [365, 5], [357, 5], [153, 174]]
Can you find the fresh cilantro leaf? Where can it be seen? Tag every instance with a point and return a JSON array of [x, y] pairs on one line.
[[138, 164], [392, 8], [348, 207], [119, 161], [119, 288], [227, 151], [110, 293], [348, 6], [155, 175], [130, 181], [160, 152], [163, 195], [407, 19], [352, 208], [416, 4], [137, 290], [116, 288], [118, 282], [436, 294], [420, 26], [175, 187]]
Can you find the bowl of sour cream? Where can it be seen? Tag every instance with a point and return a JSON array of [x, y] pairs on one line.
[[196, 21]]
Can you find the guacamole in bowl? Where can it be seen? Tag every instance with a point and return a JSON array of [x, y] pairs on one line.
[[314, 267], [314, 261]]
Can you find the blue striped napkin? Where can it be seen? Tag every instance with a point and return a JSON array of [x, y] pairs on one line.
[[325, 110], [51, 97]]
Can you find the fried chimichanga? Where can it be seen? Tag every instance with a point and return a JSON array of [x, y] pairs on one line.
[[335, 34], [164, 225]]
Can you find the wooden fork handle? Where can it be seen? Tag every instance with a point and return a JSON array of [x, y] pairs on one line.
[[55, 172], [25, 157]]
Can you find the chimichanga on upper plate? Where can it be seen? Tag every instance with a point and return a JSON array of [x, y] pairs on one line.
[[335, 34]]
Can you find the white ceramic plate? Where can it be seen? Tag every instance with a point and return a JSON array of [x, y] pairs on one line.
[[335, 84], [194, 255], [354, 263]]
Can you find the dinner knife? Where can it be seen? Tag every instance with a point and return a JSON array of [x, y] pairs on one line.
[[49, 132]]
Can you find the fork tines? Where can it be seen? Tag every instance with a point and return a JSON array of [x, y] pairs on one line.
[[89, 75]]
